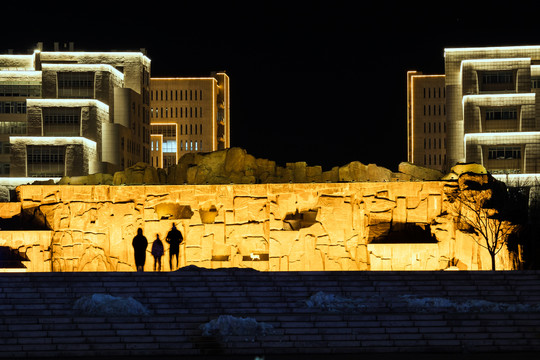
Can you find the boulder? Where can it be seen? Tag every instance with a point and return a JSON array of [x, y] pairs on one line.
[[353, 171], [378, 173], [472, 168], [234, 160], [419, 172]]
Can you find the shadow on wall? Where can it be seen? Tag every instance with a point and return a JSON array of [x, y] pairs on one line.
[[11, 258], [300, 220], [173, 211], [407, 233], [29, 219]]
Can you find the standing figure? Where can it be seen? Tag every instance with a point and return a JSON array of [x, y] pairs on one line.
[[139, 245], [174, 239], [157, 252]]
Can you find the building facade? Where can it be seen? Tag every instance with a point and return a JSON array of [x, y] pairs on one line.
[[493, 109], [188, 115], [70, 113], [426, 120]]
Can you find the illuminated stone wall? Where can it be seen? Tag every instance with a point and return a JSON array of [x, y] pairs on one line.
[[278, 227]]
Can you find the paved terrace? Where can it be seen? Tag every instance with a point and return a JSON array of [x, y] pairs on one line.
[[374, 316]]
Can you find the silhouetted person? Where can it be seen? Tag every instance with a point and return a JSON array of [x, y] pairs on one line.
[[139, 245], [174, 239], [157, 252]]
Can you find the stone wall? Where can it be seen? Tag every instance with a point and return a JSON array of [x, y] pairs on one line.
[[276, 227]]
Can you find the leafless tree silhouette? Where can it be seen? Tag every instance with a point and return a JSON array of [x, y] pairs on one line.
[[480, 213]]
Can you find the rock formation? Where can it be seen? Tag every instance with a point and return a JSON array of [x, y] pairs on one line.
[[239, 211], [236, 166], [307, 226]]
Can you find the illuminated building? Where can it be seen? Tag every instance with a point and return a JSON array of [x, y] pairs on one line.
[[70, 113], [426, 120], [188, 115], [491, 104]]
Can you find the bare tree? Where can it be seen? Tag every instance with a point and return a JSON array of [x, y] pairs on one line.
[[480, 211]]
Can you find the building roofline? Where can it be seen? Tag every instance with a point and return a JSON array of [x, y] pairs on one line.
[[490, 48]]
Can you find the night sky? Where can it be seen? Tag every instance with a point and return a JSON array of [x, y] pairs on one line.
[[321, 82]]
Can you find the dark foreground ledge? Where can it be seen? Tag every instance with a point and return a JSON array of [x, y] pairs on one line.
[[243, 314]]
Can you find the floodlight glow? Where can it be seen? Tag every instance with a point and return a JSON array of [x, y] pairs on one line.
[[79, 54], [183, 78], [53, 140], [68, 103], [497, 60], [83, 67], [491, 48], [21, 74], [502, 138], [16, 181], [509, 96]]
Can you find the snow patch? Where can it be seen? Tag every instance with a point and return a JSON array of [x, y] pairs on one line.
[[335, 303], [108, 305], [228, 325], [331, 302], [470, 305]]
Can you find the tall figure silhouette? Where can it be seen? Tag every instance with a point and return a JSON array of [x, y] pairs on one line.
[[139, 245], [174, 239]]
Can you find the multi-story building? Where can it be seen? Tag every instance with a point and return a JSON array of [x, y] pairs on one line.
[[493, 111], [426, 120], [73, 113], [188, 115]]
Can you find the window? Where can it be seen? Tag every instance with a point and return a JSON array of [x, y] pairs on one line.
[[12, 107], [535, 82], [496, 80], [61, 121], [45, 160], [504, 152], [497, 77], [76, 85], [17, 89], [501, 113]]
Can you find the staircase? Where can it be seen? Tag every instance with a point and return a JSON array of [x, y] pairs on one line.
[[352, 313]]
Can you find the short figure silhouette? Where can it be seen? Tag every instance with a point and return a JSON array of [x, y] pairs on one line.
[[174, 239], [157, 252], [139, 245]]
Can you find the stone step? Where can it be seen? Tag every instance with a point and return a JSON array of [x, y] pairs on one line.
[[37, 316]]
